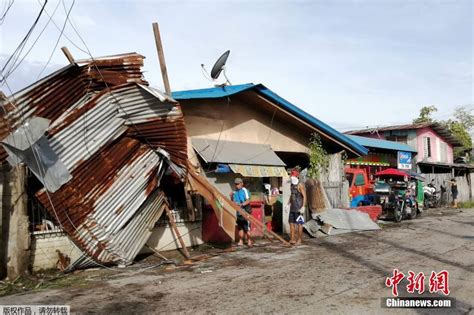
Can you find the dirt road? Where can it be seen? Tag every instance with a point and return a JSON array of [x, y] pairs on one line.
[[335, 274]]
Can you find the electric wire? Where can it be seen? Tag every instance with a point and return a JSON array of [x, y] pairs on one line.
[[17, 52], [57, 41], [219, 137], [42, 174], [36, 40], [59, 29], [117, 103], [6, 9], [37, 156]]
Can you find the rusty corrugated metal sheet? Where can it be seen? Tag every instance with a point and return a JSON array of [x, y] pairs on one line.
[[106, 127]]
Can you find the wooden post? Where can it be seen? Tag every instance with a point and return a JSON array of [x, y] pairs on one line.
[[161, 58], [68, 54], [156, 252], [176, 231]]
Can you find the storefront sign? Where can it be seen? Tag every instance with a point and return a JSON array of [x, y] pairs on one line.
[[404, 160], [258, 170]]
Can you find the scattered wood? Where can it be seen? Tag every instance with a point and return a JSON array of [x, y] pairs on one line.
[[63, 261]]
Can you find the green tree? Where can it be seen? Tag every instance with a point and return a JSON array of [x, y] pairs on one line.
[[318, 157], [461, 126], [425, 114]]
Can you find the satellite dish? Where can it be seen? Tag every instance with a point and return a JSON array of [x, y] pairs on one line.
[[219, 65]]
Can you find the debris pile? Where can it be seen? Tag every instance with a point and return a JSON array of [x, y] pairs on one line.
[[100, 140], [339, 221]]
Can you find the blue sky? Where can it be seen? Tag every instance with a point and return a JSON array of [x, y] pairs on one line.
[[349, 63]]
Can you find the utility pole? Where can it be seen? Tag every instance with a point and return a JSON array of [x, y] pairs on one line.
[[161, 58]]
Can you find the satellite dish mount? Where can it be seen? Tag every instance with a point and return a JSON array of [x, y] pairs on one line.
[[218, 68]]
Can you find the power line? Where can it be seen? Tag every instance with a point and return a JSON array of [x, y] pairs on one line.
[[37, 158], [59, 38], [20, 47], [37, 38], [4, 15], [59, 29]]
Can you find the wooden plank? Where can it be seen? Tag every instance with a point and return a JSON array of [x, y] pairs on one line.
[[176, 231], [156, 252], [68, 55], [161, 58], [226, 206]]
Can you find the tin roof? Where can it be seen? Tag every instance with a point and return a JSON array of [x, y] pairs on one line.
[[115, 136], [213, 151], [382, 144], [224, 91], [439, 128]]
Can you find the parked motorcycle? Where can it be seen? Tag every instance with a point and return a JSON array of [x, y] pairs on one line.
[[432, 197], [396, 192]]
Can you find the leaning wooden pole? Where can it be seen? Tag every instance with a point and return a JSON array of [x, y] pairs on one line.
[[176, 231], [212, 195], [161, 58], [68, 55]]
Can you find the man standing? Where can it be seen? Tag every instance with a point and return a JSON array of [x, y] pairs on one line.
[[242, 198], [443, 197], [454, 192], [297, 204]]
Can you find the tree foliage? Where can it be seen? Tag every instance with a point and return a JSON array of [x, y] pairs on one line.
[[318, 157], [461, 126], [425, 114]]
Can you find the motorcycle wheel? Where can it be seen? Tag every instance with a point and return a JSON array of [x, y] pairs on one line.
[[413, 213], [397, 214]]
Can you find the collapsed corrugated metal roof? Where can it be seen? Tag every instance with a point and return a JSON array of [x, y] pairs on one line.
[[115, 136]]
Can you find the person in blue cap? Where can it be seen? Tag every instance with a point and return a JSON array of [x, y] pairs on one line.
[[241, 197]]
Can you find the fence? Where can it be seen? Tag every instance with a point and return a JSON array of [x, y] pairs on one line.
[[334, 183], [337, 193], [465, 191]]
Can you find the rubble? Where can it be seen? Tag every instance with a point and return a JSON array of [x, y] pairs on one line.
[[339, 221], [113, 138]]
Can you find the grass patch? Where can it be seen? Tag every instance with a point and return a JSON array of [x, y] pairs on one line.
[[39, 281], [466, 204]]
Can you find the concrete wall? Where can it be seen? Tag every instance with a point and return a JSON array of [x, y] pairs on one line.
[[44, 247], [15, 236], [162, 237]]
